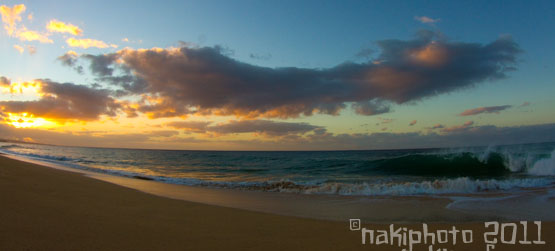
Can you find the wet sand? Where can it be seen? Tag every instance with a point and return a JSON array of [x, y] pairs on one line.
[[47, 209]]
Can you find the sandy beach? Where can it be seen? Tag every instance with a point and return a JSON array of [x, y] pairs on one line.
[[48, 209]]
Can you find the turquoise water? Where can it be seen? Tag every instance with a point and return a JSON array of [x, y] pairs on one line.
[[366, 173]]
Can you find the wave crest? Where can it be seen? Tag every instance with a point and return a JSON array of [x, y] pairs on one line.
[[544, 167]]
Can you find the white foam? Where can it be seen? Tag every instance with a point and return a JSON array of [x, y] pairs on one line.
[[544, 167], [445, 186]]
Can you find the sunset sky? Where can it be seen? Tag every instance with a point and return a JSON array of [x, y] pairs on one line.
[[277, 75]]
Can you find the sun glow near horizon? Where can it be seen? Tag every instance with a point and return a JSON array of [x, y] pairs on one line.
[[26, 120]]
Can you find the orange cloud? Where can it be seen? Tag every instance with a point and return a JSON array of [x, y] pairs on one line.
[[10, 17], [459, 128], [432, 54], [32, 49], [86, 43], [19, 48], [61, 102], [206, 81], [485, 109], [426, 20], [29, 35], [391, 81], [61, 27], [5, 82], [29, 87]]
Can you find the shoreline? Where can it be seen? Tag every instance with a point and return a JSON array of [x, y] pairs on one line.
[[537, 203], [379, 209], [375, 209], [51, 209]]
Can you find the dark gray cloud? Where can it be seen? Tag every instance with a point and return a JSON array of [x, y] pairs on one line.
[[103, 67], [70, 59], [190, 126], [459, 128], [371, 107], [5, 82], [485, 109], [438, 126], [65, 101], [266, 127], [365, 53], [206, 80], [260, 56], [100, 64], [477, 136]]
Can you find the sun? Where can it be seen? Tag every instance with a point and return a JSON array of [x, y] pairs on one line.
[[26, 120]]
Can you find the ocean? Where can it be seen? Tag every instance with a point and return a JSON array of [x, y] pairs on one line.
[[472, 170]]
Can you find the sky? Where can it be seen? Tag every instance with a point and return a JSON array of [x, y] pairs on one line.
[[277, 75]]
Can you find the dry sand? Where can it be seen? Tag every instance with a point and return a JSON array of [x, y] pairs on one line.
[[47, 209]]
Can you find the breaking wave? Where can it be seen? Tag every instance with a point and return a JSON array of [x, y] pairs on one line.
[[359, 173], [544, 167], [444, 186]]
